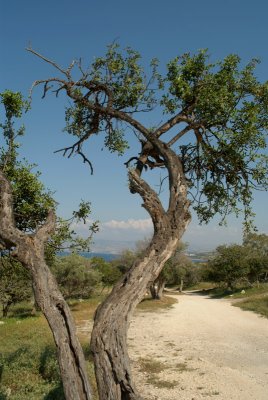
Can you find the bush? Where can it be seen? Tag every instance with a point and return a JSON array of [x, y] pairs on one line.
[[15, 283], [75, 276]]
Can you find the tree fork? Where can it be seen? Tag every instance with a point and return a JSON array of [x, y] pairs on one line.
[[29, 250]]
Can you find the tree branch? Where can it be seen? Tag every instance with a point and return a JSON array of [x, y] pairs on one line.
[[179, 135], [44, 231], [181, 117], [9, 234], [151, 201], [47, 60]]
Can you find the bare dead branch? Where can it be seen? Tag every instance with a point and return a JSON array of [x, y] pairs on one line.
[[86, 160], [161, 184], [69, 69], [75, 148], [47, 60], [46, 82]]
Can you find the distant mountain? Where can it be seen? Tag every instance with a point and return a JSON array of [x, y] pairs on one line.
[[112, 246], [117, 246]]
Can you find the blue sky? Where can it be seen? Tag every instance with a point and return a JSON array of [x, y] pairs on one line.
[[64, 30]]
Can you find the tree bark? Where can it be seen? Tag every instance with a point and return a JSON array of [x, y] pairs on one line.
[[109, 340], [157, 288], [181, 285], [153, 291], [29, 250], [160, 288], [5, 309], [109, 336]]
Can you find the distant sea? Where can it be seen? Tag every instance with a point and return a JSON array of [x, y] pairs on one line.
[[105, 256], [111, 256], [198, 260]]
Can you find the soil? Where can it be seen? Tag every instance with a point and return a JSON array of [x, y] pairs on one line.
[[201, 348]]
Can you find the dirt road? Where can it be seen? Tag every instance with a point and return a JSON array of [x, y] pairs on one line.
[[202, 348]]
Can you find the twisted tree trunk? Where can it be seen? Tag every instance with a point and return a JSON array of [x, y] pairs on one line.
[[29, 250], [109, 336]]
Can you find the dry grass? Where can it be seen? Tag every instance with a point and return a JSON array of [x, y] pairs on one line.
[[151, 305], [151, 368]]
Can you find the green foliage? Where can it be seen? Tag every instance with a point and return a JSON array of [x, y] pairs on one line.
[[258, 304], [234, 263], [27, 373], [109, 273], [178, 268], [230, 113], [65, 237], [14, 106], [49, 369], [119, 80], [75, 276], [31, 200], [182, 272], [257, 246], [124, 77], [222, 106], [14, 103], [15, 283], [125, 260], [229, 265]]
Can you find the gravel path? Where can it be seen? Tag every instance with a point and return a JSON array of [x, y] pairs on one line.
[[201, 348]]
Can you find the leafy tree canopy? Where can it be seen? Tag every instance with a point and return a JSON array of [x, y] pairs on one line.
[[229, 265], [109, 272], [216, 115], [257, 247], [75, 276], [32, 201]]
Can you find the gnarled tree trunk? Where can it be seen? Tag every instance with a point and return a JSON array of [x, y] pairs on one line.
[[157, 288], [29, 250], [109, 336]]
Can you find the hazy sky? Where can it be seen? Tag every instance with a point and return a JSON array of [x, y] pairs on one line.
[[64, 30]]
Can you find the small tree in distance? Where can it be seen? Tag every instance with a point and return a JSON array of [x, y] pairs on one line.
[[210, 138], [229, 265], [257, 247], [174, 272], [108, 273], [75, 276]]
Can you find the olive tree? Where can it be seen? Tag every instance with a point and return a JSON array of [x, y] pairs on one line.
[[257, 246], [209, 136], [75, 276], [27, 224], [229, 265]]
